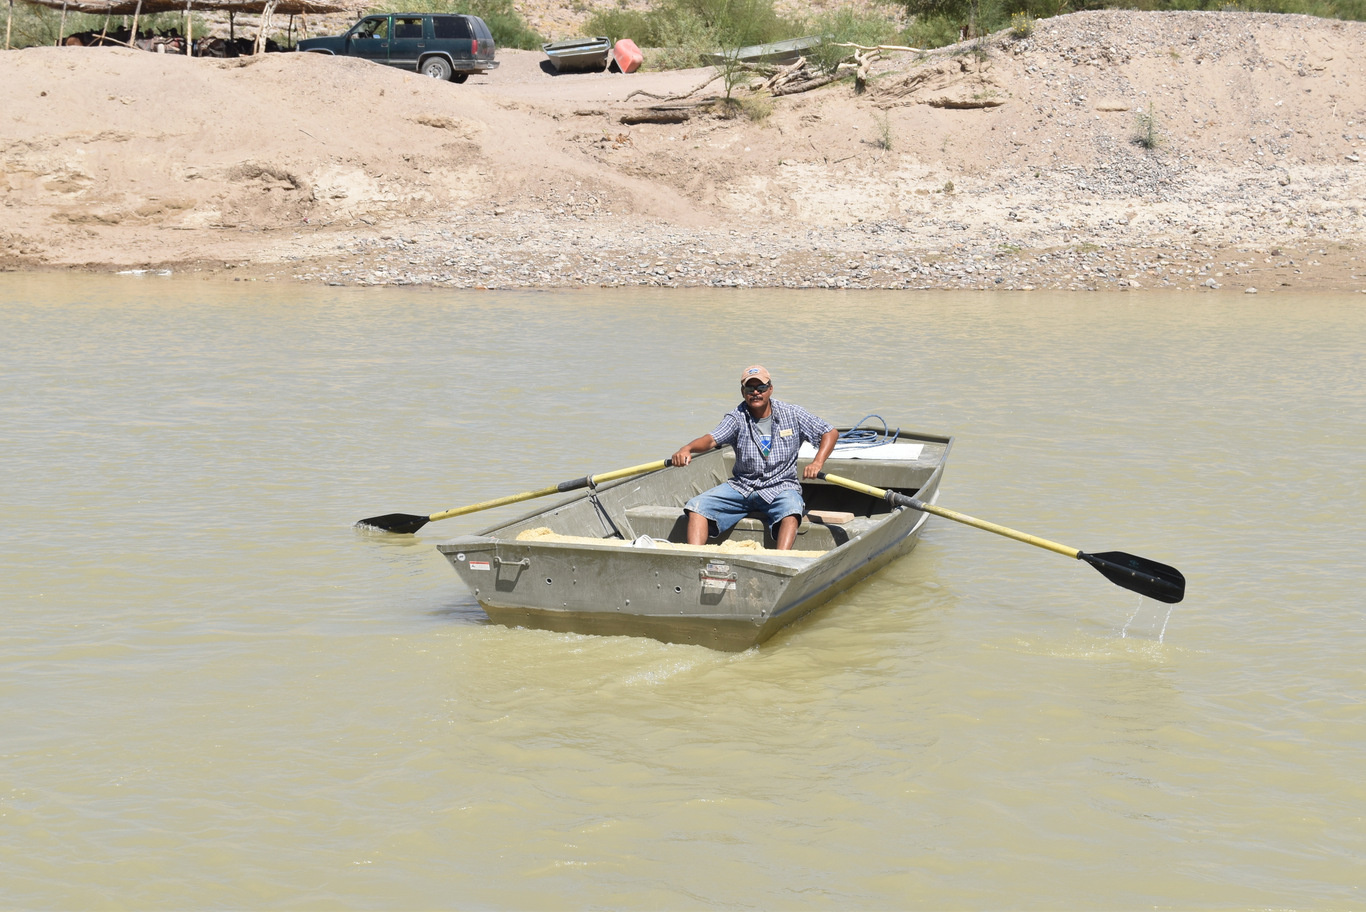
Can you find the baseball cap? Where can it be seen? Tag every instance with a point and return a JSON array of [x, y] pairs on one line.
[[755, 370]]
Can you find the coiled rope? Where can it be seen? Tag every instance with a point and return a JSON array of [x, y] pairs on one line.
[[860, 436]]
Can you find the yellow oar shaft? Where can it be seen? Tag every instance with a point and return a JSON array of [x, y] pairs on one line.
[[1000, 530], [954, 515], [490, 504], [584, 482]]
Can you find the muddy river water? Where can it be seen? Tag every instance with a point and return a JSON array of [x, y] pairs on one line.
[[214, 692]]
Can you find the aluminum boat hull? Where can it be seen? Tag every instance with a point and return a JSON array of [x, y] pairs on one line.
[[600, 581]]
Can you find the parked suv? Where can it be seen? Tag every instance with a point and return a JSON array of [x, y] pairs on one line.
[[439, 45]]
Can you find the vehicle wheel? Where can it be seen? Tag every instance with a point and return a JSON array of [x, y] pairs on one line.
[[437, 68], [460, 77]]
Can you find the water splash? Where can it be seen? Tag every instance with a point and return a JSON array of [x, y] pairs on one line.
[[1146, 627]]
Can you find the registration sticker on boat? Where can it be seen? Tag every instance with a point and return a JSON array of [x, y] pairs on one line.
[[479, 565], [717, 577]]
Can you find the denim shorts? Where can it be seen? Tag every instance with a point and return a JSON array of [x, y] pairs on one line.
[[723, 506]]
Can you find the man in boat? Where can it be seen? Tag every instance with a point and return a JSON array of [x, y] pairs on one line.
[[766, 434]]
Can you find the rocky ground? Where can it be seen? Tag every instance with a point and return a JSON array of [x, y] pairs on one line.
[[1108, 150]]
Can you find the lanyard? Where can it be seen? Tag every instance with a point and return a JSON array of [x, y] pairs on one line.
[[754, 436]]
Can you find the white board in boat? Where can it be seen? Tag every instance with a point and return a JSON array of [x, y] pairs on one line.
[[895, 452]]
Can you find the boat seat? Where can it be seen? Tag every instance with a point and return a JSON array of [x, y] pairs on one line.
[[671, 523]]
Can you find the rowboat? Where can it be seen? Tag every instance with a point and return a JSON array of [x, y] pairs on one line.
[[613, 560], [579, 54], [774, 52]]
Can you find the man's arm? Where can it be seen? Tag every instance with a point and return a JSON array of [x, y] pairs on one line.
[[700, 445], [822, 453]]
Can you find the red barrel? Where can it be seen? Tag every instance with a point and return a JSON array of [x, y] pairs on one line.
[[628, 56]]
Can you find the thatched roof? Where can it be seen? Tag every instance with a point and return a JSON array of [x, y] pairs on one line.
[[129, 7]]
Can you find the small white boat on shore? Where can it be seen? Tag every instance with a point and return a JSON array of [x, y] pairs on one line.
[[776, 52], [579, 55]]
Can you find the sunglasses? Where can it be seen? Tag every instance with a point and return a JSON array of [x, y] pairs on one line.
[[757, 388]]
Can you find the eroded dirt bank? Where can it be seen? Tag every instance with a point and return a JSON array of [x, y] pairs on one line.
[[1015, 166]]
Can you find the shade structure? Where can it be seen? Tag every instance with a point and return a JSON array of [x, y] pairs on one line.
[[130, 7], [265, 8]]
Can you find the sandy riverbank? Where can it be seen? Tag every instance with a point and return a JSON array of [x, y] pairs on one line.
[[1014, 168]]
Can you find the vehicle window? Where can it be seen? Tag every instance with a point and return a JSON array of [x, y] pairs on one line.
[[451, 27], [374, 27], [408, 27]]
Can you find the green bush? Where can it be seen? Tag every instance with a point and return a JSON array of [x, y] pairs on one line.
[[848, 26], [683, 30], [1147, 133], [623, 23], [932, 31]]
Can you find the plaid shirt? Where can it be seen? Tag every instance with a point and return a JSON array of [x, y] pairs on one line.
[[768, 476]]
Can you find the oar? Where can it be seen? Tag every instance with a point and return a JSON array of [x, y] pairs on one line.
[[407, 523], [1147, 577]]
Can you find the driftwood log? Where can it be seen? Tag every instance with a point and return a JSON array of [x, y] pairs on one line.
[[657, 115], [805, 85], [880, 47]]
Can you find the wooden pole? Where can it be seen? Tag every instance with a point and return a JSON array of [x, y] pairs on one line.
[[133, 38], [189, 30], [9, 23], [108, 12], [61, 29], [261, 30]]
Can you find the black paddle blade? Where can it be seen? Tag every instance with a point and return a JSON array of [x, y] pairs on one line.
[[402, 523], [1146, 577]]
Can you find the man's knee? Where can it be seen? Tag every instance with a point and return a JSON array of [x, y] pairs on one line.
[[699, 527]]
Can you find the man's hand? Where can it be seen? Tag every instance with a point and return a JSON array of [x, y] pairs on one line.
[[700, 445], [828, 441]]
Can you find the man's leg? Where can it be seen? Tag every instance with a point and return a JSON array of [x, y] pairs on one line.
[[722, 506], [784, 518], [697, 529]]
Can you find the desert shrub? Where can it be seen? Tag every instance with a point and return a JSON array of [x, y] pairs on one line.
[[756, 107], [882, 121], [848, 26], [683, 30], [1146, 131], [622, 23], [855, 27], [509, 28], [678, 38], [938, 22], [932, 31]]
